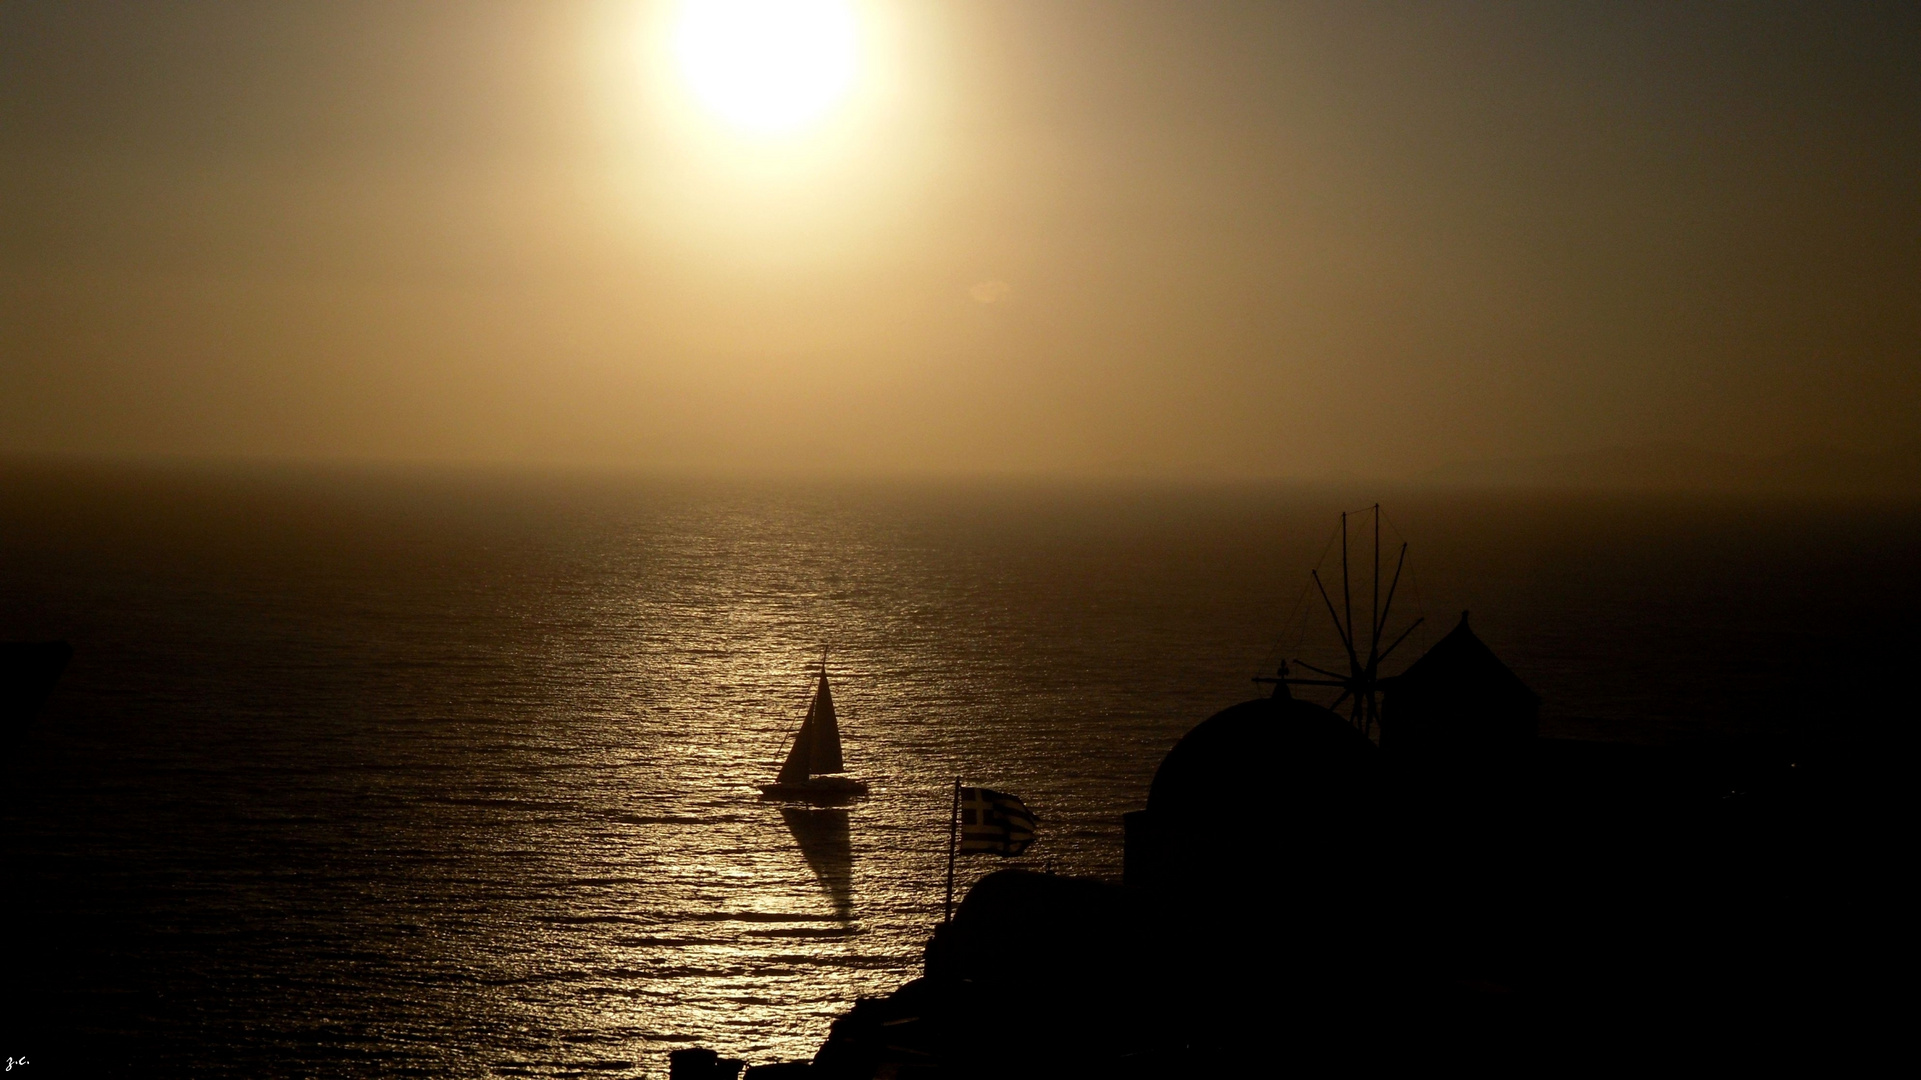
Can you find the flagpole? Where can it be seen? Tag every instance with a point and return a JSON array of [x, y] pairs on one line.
[[953, 819]]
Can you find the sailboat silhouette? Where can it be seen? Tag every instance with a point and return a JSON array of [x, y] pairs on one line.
[[810, 773]]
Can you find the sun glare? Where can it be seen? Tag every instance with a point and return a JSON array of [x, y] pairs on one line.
[[767, 65]]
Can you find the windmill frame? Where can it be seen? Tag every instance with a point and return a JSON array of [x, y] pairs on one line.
[[1362, 684]]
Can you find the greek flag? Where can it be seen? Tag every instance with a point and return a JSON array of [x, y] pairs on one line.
[[994, 821]]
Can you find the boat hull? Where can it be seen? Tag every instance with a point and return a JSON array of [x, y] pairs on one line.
[[818, 791]]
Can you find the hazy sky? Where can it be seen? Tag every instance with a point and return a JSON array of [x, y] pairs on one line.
[[1173, 238]]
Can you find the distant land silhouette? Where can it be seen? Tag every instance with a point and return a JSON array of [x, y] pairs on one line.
[[1668, 466]]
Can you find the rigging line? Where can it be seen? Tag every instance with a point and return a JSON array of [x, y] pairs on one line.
[[1333, 534], [1296, 616], [1413, 580], [1391, 525], [1374, 621], [1347, 597], [786, 745], [1345, 679], [1352, 661], [1314, 580], [1280, 646], [1403, 637], [1399, 562]]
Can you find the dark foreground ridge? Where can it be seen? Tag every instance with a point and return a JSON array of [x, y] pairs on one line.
[[1463, 892]]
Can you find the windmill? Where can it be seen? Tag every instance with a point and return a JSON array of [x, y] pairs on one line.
[[1361, 685]]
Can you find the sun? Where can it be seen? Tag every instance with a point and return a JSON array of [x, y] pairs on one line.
[[768, 66]]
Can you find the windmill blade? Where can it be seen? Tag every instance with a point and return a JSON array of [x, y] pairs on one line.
[[1345, 639], [1388, 607], [1374, 620], [1338, 700], [1331, 613], [1404, 634], [1324, 671], [1347, 598], [1310, 682]]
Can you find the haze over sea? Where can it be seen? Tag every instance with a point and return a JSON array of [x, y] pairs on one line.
[[365, 772]]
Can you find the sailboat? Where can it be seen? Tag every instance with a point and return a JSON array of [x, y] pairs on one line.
[[810, 771]]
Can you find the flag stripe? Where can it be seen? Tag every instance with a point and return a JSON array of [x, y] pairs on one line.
[[993, 821]]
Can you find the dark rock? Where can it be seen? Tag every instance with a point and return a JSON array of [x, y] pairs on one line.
[[696, 1063], [785, 1070]]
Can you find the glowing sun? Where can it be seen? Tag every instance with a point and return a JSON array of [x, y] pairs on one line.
[[767, 65]]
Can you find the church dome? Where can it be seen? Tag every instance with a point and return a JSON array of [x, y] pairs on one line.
[[1252, 761]]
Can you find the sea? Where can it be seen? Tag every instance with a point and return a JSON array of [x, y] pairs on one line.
[[369, 771]]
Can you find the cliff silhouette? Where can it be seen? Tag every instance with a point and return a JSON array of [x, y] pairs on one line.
[[1464, 892]]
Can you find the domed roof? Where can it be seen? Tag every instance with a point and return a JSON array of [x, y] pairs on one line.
[[1249, 761]]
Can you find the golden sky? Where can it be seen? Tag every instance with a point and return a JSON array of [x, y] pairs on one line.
[[1185, 239]]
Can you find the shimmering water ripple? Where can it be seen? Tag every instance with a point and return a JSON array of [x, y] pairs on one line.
[[369, 776]]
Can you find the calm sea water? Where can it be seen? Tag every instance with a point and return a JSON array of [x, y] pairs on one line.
[[376, 774]]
